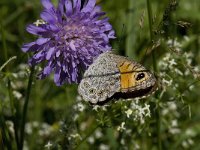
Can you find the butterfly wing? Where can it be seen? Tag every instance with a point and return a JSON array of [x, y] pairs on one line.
[[101, 80], [113, 76]]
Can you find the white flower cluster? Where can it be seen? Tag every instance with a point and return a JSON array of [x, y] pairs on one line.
[[174, 45], [170, 111], [78, 107], [138, 111], [74, 136], [190, 133], [43, 129]]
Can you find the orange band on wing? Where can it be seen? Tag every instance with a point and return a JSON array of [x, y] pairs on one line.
[[127, 75]]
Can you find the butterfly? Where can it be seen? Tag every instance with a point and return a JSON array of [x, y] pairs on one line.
[[112, 76]]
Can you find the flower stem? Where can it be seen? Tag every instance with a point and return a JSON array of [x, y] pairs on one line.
[[158, 116], [90, 133], [5, 67], [24, 114]]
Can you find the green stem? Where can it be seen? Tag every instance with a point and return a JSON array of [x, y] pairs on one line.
[[13, 110], [4, 43], [5, 140], [150, 19], [6, 63], [24, 114], [86, 137], [2, 120], [158, 115]]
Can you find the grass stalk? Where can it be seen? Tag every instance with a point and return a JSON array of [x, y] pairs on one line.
[[25, 107], [158, 115], [85, 138], [11, 100]]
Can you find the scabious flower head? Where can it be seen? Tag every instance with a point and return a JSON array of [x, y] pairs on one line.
[[69, 38]]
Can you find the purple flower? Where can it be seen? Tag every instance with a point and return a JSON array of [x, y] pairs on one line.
[[69, 38]]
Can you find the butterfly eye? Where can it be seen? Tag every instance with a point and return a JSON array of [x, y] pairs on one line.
[[140, 76]]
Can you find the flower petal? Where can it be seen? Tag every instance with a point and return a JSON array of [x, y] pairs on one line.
[[27, 46], [41, 41], [111, 34], [72, 46], [36, 30], [89, 6], [47, 4], [48, 69], [77, 5], [50, 52], [48, 17], [57, 76]]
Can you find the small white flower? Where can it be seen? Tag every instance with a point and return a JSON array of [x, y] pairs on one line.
[[48, 145], [45, 130], [178, 71], [190, 132], [128, 112], [172, 62], [78, 98], [190, 141], [35, 124], [104, 147], [196, 69], [185, 144], [17, 94], [137, 146], [75, 117], [96, 107], [172, 106], [39, 22], [174, 123], [122, 141], [147, 110], [140, 112], [191, 87], [121, 127], [76, 135], [186, 38], [165, 111], [98, 134], [28, 128], [167, 57], [166, 82], [174, 130], [10, 126], [91, 140], [81, 107]]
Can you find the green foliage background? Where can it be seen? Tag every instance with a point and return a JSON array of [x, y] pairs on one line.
[[56, 115]]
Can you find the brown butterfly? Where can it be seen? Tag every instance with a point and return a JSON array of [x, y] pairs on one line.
[[113, 76]]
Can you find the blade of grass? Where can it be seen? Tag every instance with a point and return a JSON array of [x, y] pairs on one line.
[[158, 115], [5, 65], [85, 138], [130, 40], [25, 107]]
